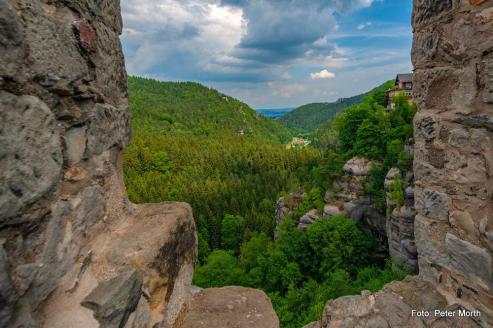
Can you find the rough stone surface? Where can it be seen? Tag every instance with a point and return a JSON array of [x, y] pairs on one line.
[[392, 307], [454, 194], [331, 210], [307, 219], [112, 301], [470, 260], [400, 223], [358, 166], [285, 205], [7, 291], [231, 307], [347, 197], [30, 154], [66, 225]]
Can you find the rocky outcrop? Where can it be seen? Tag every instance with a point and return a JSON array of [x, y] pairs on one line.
[[400, 220], [407, 304], [285, 205], [308, 219], [74, 252], [230, 307], [347, 197], [453, 179]]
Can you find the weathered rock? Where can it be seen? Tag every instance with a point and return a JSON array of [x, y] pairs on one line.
[[30, 154], [286, 204], [11, 52], [331, 210], [391, 176], [315, 324], [156, 240], [400, 223], [112, 301], [470, 260], [453, 178], [8, 294], [358, 166], [231, 307], [347, 197], [66, 225], [453, 193], [86, 35], [108, 127], [75, 142], [433, 204]]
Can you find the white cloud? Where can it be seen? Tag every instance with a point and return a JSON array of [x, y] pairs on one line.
[[362, 26], [323, 74], [169, 38]]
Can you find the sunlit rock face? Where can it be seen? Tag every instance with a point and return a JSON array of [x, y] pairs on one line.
[[74, 252]]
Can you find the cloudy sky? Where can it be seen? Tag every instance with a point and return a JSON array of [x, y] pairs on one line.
[[270, 53]]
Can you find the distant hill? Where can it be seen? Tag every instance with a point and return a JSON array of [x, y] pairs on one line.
[[182, 108], [274, 112], [309, 117]]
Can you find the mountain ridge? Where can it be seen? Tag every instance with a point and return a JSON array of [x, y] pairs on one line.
[[190, 107], [309, 117]]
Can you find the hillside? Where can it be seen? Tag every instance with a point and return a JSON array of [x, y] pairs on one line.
[[194, 144], [309, 117], [180, 108]]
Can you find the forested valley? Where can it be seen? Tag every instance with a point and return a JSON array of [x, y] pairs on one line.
[[194, 144]]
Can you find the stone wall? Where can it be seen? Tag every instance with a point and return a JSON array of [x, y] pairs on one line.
[[453, 59], [453, 172], [74, 252]]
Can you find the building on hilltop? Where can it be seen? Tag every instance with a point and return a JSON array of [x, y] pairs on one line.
[[403, 85]]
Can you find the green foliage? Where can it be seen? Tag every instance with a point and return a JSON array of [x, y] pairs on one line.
[[191, 143], [313, 200], [338, 243], [372, 136], [251, 250], [233, 227], [369, 130], [397, 191], [309, 117], [376, 187], [184, 108], [348, 124], [217, 176], [222, 269], [301, 271]]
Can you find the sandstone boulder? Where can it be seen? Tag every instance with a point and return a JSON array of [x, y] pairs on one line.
[[154, 241], [308, 219], [231, 307], [358, 166], [331, 210]]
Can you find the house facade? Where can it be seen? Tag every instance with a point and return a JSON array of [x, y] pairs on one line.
[[403, 85]]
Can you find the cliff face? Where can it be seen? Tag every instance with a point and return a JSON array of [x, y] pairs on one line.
[[453, 172], [453, 59], [73, 251]]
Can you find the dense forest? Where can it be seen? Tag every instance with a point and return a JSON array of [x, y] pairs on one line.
[[190, 109], [194, 144]]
